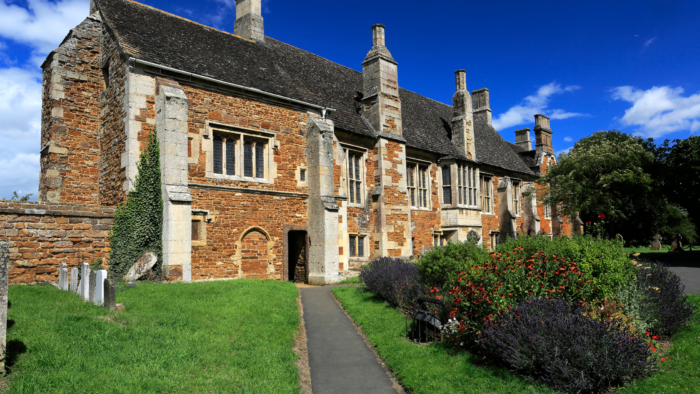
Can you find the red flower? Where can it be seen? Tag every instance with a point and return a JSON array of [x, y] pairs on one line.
[[653, 349], [655, 337], [587, 223], [601, 216], [648, 333]]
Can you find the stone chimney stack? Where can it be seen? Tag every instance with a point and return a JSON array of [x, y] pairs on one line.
[[522, 139], [249, 21], [93, 7], [543, 134], [482, 106], [380, 85], [463, 118]]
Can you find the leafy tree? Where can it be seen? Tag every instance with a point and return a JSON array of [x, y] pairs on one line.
[[138, 223], [679, 170], [609, 173], [17, 197]]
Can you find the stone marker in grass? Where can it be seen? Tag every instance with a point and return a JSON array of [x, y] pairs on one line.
[[63, 277], [92, 287], [4, 269], [85, 282], [100, 277], [74, 280], [110, 302]]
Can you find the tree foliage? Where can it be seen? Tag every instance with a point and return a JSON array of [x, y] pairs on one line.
[[138, 223], [608, 173]]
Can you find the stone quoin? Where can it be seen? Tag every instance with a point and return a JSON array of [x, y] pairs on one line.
[[275, 163]]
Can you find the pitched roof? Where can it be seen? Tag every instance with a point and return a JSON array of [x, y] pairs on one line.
[[155, 36]]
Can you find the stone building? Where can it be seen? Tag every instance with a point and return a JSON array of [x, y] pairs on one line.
[[277, 163]]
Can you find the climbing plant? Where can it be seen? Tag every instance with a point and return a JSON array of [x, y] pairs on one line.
[[138, 223]]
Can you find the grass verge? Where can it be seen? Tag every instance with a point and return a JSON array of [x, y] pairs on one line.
[[351, 281], [437, 368], [232, 336], [424, 369]]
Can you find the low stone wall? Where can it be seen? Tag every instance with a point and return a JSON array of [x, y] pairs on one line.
[[42, 236]]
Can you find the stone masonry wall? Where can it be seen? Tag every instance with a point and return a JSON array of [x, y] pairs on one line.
[[69, 139], [491, 222], [42, 236], [244, 226], [112, 127], [424, 222]]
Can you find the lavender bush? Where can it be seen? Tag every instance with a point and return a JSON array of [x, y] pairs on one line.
[[656, 300], [393, 279], [552, 342]]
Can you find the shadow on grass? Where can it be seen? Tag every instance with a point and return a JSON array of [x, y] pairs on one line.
[[14, 349]]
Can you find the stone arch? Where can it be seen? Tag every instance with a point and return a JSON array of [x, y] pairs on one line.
[[254, 257]]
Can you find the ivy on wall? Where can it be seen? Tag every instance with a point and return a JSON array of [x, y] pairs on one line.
[[138, 223]]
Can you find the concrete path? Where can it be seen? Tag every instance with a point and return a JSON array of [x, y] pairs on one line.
[[339, 358]]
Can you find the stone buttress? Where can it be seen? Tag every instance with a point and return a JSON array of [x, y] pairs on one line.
[[171, 125], [322, 207]]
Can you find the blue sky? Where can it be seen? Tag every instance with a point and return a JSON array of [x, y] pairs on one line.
[[595, 65]]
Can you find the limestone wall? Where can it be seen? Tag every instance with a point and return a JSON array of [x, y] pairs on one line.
[[42, 236]]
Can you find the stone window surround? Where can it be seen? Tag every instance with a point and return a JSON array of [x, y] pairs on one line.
[[455, 187], [365, 247], [444, 235], [428, 182], [222, 128], [493, 195], [297, 176], [493, 238], [516, 185], [363, 173], [203, 216]]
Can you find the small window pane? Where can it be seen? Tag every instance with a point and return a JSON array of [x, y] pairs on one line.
[[446, 185], [195, 230], [302, 175], [260, 160], [357, 167], [352, 245], [358, 194], [218, 155], [361, 246], [230, 157], [248, 158], [352, 191]]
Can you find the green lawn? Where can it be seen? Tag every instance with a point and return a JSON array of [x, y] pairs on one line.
[[437, 369], [233, 336], [351, 281]]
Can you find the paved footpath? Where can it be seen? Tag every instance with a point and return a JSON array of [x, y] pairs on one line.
[[339, 358]]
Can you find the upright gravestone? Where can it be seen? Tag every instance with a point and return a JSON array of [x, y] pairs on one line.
[[91, 291], [677, 245], [100, 277], [74, 272], [63, 277], [110, 297], [656, 245], [85, 281], [4, 270]]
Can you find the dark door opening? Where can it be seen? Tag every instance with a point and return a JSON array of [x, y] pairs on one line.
[[298, 257]]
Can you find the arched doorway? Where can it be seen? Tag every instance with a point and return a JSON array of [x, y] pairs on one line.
[[296, 254]]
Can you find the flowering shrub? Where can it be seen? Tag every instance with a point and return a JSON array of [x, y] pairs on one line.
[[552, 342], [482, 293], [394, 280], [602, 260], [656, 300], [440, 265]]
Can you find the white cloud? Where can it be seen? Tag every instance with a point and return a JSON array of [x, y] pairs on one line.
[[568, 139], [43, 24], [567, 150], [20, 111], [23, 178], [650, 41], [659, 110], [535, 104]]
